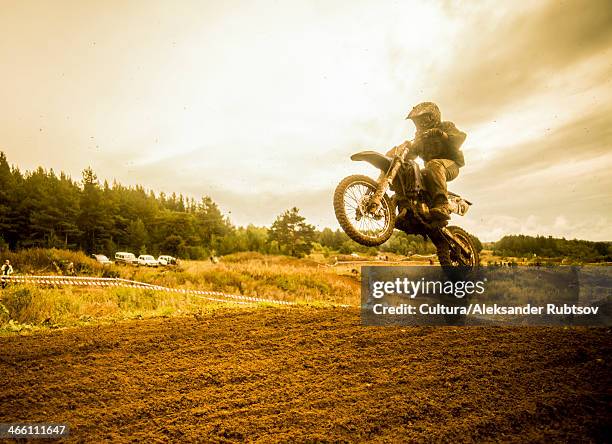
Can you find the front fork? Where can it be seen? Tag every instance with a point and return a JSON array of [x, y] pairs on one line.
[[384, 182]]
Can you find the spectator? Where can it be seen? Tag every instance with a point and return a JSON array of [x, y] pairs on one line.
[[7, 270]]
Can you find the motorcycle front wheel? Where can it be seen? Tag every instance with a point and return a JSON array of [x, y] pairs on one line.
[[351, 200]]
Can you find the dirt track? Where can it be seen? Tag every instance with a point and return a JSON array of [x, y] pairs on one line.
[[310, 374]]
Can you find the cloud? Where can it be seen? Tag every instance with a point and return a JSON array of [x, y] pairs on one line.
[[585, 137], [564, 173], [501, 59], [495, 227], [263, 208], [260, 106]]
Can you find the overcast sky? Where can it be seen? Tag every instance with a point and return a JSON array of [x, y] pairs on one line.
[[260, 103]]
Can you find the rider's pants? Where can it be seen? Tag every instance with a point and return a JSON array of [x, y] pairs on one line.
[[438, 172]]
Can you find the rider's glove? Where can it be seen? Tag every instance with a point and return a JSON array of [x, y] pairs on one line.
[[435, 132]]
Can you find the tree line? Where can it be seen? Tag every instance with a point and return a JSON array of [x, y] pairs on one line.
[[44, 209], [542, 246]]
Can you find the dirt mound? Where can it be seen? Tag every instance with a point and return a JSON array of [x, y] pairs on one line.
[[309, 374]]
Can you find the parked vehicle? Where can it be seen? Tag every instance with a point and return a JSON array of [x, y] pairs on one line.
[[122, 257], [102, 259], [167, 260], [146, 260]]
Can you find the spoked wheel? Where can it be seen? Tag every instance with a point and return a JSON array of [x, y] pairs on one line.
[[360, 221], [458, 259], [454, 256]]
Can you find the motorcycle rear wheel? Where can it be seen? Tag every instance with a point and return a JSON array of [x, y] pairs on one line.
[[449, 257], [364, 228]]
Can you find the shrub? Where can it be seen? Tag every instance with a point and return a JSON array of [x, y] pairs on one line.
[[52, 260]]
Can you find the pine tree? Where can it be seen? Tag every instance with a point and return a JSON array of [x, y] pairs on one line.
[[92, 220], [137, 236], [293, 235], [7, 202]]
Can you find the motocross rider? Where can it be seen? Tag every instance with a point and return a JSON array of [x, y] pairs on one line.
[[438, 143]]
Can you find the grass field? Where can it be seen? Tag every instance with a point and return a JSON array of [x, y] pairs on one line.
[[316, 281], [25, 307]]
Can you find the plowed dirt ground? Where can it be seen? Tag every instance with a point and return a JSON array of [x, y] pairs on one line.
[[310, 374]]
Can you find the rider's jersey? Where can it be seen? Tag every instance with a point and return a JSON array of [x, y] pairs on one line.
[[438, 148]]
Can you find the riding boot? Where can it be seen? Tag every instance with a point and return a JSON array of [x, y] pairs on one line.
[[438, 172], [441, 209]]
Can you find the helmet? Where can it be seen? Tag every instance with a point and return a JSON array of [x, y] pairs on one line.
[[426, 114]]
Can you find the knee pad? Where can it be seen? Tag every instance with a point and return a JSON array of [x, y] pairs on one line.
[[434, 164]]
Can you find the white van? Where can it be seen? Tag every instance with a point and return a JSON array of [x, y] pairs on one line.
[[122, 257]]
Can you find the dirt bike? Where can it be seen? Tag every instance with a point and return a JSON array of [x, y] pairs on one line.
[[368, 215]]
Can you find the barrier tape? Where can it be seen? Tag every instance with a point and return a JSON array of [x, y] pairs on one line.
[[118, 282]]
